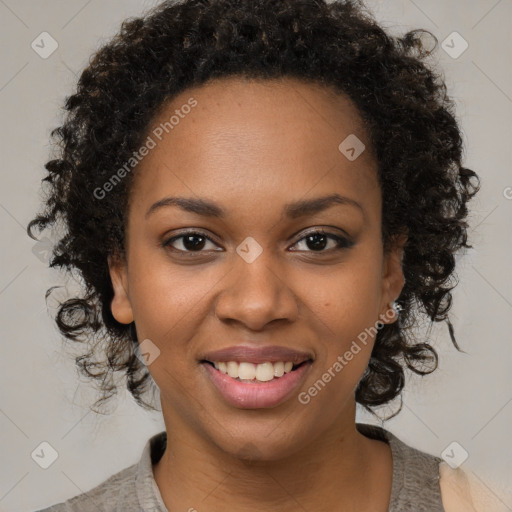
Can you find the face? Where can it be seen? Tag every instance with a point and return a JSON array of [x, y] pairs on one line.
[[250, 266]]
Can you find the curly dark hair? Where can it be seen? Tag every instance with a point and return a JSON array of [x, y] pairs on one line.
[[402, 100]]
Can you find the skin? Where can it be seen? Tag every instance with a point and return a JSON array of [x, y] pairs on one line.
[[251, 147]]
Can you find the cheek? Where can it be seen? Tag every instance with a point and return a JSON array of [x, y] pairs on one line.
[[344, 306], [169, 302], [347, 299], [346, 324], [169, 307]]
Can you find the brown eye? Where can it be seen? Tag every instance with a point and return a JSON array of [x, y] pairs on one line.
[[189, 242], [317, 241]]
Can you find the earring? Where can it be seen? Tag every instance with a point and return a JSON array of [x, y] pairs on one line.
[[397, 307]]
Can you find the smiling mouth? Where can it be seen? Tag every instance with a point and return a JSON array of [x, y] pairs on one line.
[[249, 372]]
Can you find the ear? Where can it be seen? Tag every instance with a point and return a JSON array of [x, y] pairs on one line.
[[392, 277], [120, 305]]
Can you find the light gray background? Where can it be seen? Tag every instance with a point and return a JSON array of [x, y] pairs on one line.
[[468, 399]]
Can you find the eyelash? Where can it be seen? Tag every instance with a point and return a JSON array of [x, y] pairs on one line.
[[342, 243]]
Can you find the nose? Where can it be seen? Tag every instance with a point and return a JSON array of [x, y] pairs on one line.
[[255, 294]]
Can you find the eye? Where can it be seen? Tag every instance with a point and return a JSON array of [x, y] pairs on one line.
[[314, 241], [193, 241], [318, 240]]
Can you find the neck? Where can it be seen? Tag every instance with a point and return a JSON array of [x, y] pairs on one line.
[[341, 466]]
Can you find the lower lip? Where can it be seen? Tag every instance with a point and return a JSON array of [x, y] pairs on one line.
[[257, 395]]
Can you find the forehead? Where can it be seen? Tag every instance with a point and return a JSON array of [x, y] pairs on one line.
[[242, 139]]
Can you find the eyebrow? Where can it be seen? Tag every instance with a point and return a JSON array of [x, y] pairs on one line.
[[292, 210]]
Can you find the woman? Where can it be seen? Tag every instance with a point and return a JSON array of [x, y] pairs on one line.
[[263, 198]]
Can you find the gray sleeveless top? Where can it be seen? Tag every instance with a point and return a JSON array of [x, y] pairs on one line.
[[415, 486]]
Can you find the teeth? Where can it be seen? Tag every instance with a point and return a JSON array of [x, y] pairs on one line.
[[246, 371], [278, 369], [262, 372], [232, 369]]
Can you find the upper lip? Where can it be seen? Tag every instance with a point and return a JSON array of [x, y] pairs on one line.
[[257, 355]]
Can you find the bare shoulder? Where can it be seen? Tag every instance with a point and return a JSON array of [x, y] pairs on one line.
[[462, 491]]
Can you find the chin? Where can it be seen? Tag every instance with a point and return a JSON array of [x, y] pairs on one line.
[[273, 441]]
